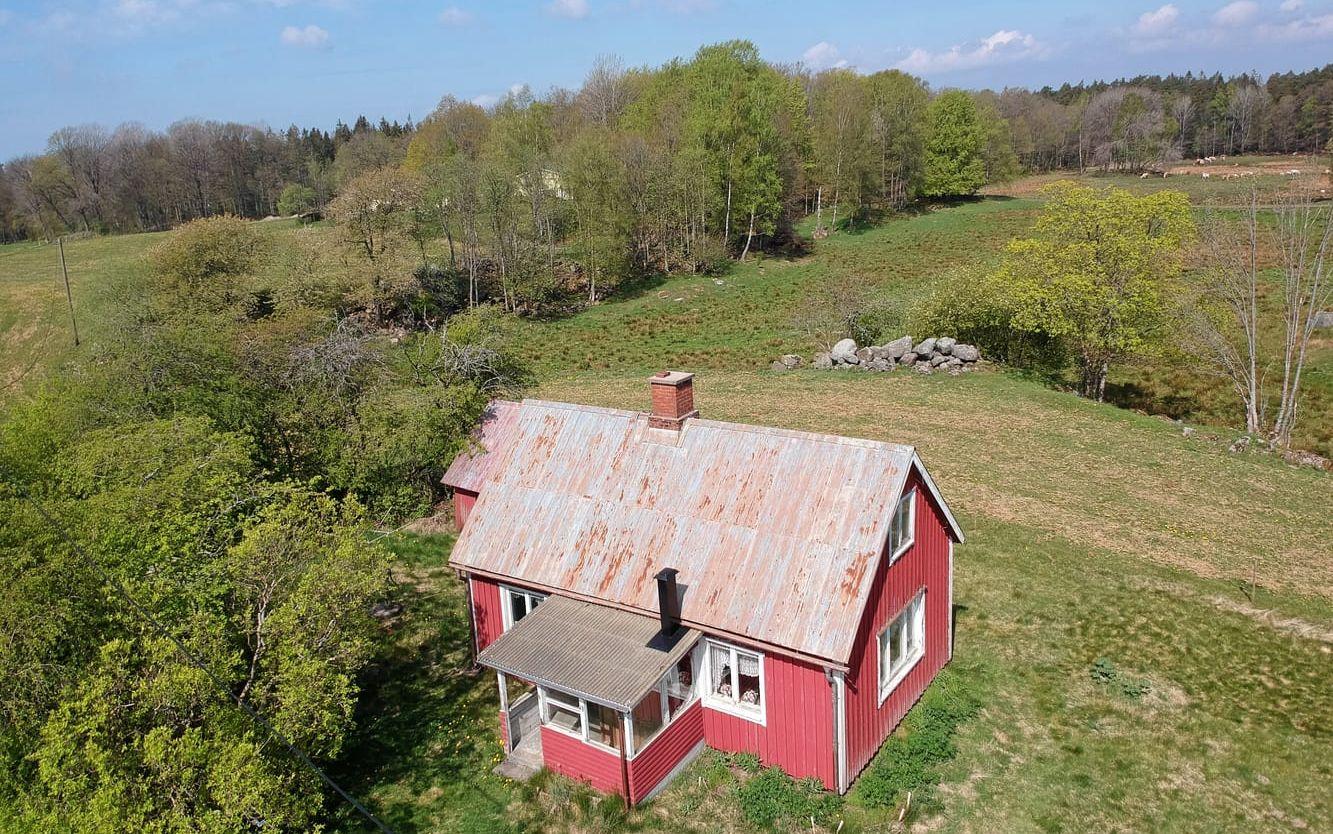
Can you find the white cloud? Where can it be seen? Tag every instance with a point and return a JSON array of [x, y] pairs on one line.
[[148, 12], [310, 37], [1237, 13], [1157, 23], [1292, 5], [822, 56], [486, 100], [1316, 28], [1005, 46], [573, 9], [454, 16]]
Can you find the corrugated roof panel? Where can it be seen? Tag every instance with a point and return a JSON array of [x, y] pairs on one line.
[[610, 656]]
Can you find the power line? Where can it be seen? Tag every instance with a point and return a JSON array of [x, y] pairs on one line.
[[199, 664]]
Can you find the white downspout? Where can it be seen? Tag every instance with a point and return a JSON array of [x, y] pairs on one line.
[[838, 681]]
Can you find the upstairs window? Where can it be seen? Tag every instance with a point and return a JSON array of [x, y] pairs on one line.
[[902, 530], [516, 603], [901, 644], [735, 680]]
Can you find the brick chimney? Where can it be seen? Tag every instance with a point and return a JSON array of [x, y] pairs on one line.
[[673, 399]]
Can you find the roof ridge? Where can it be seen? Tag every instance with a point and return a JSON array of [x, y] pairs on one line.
[[731, 425]]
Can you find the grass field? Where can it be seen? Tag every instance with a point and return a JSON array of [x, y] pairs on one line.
[[1095, 534]]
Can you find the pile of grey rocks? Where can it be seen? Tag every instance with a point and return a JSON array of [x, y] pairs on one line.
[[943, 353]]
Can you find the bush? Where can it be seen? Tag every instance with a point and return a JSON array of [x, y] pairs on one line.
[[910, 759], [772, 797], [296, 199], [206, 258], [975, 307]]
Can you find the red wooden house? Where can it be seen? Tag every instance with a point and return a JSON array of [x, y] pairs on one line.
[[648, 584]]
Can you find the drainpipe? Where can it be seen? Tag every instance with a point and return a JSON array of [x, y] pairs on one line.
[[838, 683]]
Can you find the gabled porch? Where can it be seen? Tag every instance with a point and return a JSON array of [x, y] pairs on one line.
[[597, 694]]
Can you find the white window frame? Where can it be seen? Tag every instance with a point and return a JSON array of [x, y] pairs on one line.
[[906, 538], [916, 611], [732, 705], [572, 703], [507, 603]]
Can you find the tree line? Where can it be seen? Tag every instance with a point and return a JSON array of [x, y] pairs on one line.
[[1134, 123], [132, 179]]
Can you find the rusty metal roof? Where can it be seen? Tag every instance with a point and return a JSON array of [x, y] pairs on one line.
[[471, 469], [776, 533], [606, 655]]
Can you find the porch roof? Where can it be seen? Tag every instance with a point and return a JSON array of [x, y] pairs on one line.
[[605, 655]]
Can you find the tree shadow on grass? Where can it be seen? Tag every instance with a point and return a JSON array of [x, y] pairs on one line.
[[426, 734]]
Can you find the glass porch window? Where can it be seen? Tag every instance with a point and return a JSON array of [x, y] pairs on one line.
[[664, 703], [564, 715]]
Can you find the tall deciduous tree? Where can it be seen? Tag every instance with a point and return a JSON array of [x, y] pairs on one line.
[[955, 146]]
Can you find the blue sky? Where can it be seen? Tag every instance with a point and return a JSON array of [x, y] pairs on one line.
[[311, 62]]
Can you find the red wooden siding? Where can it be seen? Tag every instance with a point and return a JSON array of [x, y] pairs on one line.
[[654, 762], [463, 501], [486, 616], [570, 757], [924, 565], [798, 733]]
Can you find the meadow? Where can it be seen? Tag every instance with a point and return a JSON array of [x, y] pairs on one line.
[[1144, 618]]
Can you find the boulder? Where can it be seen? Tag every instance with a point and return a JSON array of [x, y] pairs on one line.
[[944, 344], [953, 362], [792, 360], [938, 359], [967, 353], [822, 361], [844, 351], [896, 348], [926, 347], [880, 364], [907, 358], [924, 368], [865, 355], [1322, 320], [778, 366]]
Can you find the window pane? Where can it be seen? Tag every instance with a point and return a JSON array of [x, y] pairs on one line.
[[604, 725], [748, 678], [719, 667], [647, 719], [519, 605], [564, 717], [680, 686], [895, 645]]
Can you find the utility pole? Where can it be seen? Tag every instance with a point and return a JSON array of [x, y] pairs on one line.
[[69, 296]]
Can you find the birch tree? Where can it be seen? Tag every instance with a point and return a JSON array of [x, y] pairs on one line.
[[1305, 234], [1226, 316]]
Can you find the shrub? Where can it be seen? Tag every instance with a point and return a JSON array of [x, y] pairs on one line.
[[772, 797], [296, 199], [206, 258], [975, 306], [910, 759], [1104, 671]]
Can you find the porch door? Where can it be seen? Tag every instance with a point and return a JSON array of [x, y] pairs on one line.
[[524, 718]]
